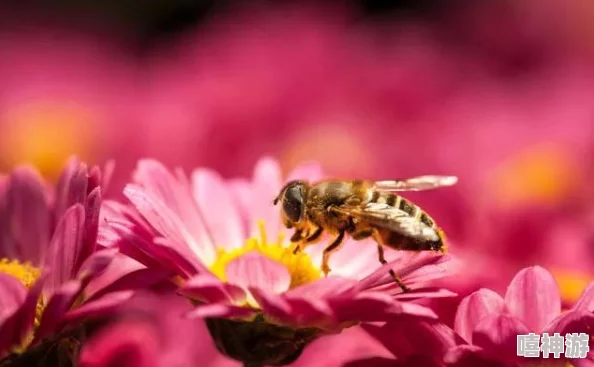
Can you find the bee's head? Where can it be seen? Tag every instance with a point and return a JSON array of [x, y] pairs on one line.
[[292, 199]]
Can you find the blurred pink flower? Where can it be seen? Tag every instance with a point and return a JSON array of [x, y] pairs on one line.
[[490, 324], [62, 92], [304, 82], [144, 336], [48, 239], [424, 346], [210, 233]]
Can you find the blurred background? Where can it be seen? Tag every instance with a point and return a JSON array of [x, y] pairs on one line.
[[497, 92]]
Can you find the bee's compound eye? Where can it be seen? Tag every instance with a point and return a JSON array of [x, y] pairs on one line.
[[293, 203]]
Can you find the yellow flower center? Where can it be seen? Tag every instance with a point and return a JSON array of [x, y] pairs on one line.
[[44, 134], [27, 274], [571, 284], [299, 265], [540, 174]]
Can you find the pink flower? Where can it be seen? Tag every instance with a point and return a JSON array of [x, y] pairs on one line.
[[143, 335], [490, 324], [224, 242], [52, 272]]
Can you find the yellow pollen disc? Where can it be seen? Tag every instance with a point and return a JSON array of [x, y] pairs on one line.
[[27, 274], [300, 266]]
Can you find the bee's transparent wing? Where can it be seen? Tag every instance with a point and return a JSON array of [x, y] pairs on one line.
[[419, 183], [390, 218]]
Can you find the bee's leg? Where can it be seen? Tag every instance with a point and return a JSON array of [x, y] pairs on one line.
[[334, 246], [297, 235], [362, 234], [382, 259], [314, 236], [307, 239]]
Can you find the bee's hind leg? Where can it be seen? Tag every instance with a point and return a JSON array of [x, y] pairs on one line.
[[333, 247], [382, 259]]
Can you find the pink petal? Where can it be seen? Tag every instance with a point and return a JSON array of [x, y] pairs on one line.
[[101, 307], [337, 349], [72, 186], [26, 222], [220, 310], [474, 308], [310, 313], [123, 273], [220, 213], [309, 171], [168, 223], [65, 247], [497, 335], [178, 256], [96, 264], [58, 304], [258, 271], [274, 305], [12, 296], [325, 287], [586, 301], [128, 343], [533, 296], [241, 192], [176, 196], [89, 241], [209, 289], [405, 337], [573, 321], [470, 356], [18, 324], [267, 182]]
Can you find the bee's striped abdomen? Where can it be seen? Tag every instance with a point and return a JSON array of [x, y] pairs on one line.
[[396, 240]]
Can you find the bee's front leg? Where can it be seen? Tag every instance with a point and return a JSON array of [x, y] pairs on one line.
[[333, 247]]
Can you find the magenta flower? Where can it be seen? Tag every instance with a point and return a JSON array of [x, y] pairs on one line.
[[490, 324], [224, 242], [51, 271]]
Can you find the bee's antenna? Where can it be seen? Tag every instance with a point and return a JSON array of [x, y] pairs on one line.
[[275, 200]]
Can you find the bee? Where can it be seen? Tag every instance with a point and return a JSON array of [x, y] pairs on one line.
[[361, 209]]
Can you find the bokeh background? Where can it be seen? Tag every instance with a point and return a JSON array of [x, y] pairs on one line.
[[497, 92]]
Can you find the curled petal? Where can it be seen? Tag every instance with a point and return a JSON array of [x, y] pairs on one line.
[[533, 296], [12, 295], [497, 335], [258, 271], [91, 228], [98, 308], [310, 312], [271, 303], [220, 310], [573, 321], [209, 289], [474, 308], [406, 337]]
